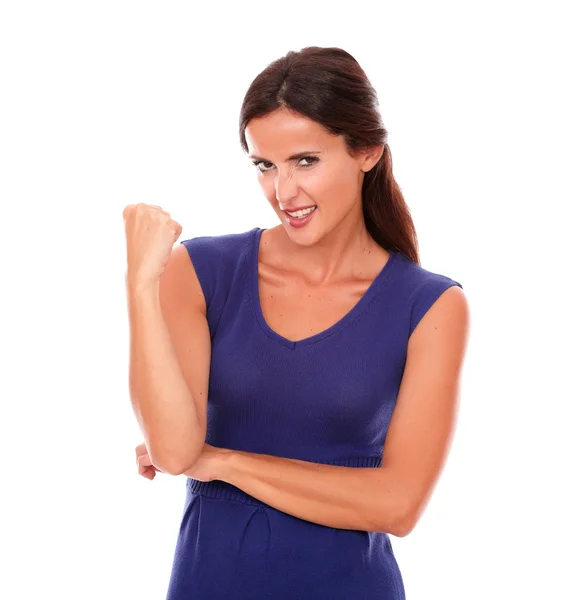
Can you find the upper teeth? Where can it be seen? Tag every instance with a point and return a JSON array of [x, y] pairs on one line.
[[301, 213]]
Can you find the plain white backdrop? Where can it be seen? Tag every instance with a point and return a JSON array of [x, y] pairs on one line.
[[103, 104]]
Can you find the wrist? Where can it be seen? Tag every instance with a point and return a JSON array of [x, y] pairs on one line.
[[226, 459], [140, 287]]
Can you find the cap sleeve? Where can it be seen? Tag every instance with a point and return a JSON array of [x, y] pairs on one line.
[[218, 260], [206, 264]]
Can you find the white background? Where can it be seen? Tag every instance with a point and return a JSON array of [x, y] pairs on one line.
[[109, 103]]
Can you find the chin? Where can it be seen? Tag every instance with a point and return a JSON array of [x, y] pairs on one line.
[[305, 237]]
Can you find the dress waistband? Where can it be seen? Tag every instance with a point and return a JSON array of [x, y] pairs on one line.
[[223, 490]]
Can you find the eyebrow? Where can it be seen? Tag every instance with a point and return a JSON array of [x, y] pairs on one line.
[[289, 158]]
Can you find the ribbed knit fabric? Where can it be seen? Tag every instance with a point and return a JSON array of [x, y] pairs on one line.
[[327, 398]]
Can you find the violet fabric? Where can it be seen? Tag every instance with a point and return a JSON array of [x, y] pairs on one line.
[[327, 398]]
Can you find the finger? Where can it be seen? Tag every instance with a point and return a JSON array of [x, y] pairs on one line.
[[144, 461], [177, 228], [159, 208], [147, 472]]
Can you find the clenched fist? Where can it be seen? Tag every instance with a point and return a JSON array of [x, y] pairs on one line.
[[144, 463], [150, 234]]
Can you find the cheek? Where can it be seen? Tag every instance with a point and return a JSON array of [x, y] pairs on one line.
[[344, 186], [324, 185], [316, 179], [270, 194]]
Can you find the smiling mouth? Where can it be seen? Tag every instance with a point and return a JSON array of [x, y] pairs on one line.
[[308, 209]]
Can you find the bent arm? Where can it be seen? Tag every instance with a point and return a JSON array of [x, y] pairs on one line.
[[162, 402]]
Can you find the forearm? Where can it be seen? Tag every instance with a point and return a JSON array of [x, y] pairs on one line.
[[161, 400], [342, 497]]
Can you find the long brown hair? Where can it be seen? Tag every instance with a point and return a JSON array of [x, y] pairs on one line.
[[328, 86]]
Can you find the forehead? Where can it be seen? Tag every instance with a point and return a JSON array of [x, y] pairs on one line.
[[283, 132]]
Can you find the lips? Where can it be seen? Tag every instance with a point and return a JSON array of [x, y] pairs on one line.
[[299, 222]]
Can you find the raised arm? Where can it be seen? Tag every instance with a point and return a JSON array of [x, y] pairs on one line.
[[170, 352]]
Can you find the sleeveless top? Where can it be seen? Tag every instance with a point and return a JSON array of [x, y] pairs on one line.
[[327, 398]]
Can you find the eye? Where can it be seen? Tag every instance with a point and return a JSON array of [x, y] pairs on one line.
[[261, 162], [312, 159]]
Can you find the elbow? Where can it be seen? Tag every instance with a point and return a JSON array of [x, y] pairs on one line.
[[177, 469], [174, 464], [402, 528], [404, 521]]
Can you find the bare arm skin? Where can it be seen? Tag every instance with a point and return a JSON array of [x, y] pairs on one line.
[[170, 352]]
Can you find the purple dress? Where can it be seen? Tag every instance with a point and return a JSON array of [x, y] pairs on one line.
[[327, 398]]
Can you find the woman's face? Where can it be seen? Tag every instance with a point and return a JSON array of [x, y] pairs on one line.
[[300, 164]]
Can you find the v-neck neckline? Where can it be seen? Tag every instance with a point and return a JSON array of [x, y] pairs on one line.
[[374, 288]]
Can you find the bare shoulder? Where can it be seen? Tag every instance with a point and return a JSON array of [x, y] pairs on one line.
[[446, 321]]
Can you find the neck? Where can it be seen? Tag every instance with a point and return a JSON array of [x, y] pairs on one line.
[[345, 252]]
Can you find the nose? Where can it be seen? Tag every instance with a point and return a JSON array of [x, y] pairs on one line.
[[286, 189]]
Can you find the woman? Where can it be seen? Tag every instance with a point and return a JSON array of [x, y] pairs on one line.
[[304, 377]]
